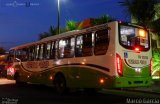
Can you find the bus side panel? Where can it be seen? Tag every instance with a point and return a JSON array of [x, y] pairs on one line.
[[112, 48]]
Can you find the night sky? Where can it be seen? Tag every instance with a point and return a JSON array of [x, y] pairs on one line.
[[21, 23]]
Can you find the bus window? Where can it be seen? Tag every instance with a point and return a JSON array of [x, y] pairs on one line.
[[11, 56], [127, 35], [69, 47], [48, 50], [83, 45], [101, 42], [66, 48], [31, 54], [44, 51], [25, 54], [22, 54], [17, 54], [37, 52], [87, 44], [78, 48], [41, 52], [130, 37], [72, 43], [53, 50]]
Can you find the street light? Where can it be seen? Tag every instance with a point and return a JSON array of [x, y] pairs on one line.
[[58, 16]]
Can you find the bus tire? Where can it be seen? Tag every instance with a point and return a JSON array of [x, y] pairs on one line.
[[17, 79], [60, 84]]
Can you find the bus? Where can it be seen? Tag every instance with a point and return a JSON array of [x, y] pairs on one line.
[[110, 55]]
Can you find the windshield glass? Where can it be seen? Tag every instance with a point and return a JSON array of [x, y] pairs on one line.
[[130, 37]]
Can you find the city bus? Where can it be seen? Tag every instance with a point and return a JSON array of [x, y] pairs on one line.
[[110, 55]]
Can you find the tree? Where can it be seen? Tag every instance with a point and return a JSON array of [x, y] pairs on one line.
[[155, 26], [143, 11], [43, 35], [72, 25], [157, 9], [156, 63], [53, 30], [2, 51], [101, 20]]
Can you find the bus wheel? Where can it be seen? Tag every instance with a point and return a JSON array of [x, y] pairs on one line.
[[17, 79], [60, 84]]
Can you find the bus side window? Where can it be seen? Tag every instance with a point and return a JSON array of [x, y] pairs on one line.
[[83, 45], [101, 42], [72, 46], [78, 47], [44, 51], [69, 47], [87, 44], [66, 47], [41, 52], [24, 54], [37, 52], [20, 54], [61, 48], [48, 50], [31, 54], [11, 56], [53, 53], [17, 55]]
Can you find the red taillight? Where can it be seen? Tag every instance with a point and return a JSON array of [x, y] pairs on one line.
[[119, 65], [137, 49], [11, 70]]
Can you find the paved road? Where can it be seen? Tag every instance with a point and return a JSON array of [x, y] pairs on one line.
[[36, 94]]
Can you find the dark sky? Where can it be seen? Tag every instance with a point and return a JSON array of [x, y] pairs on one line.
[[20, 24]]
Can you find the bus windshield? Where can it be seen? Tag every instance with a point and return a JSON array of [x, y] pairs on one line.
[[131, 37]]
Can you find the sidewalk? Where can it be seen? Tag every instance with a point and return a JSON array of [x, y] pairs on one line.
[[6, 81]]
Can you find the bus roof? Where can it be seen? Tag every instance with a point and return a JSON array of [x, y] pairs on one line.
[[65, 34]]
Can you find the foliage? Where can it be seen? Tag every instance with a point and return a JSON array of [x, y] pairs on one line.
[[52, 31], [142, 11], [72, 25], [156, 61], [101, 20], [157, 9], [155, 26], [43, 35], [2, 51]]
